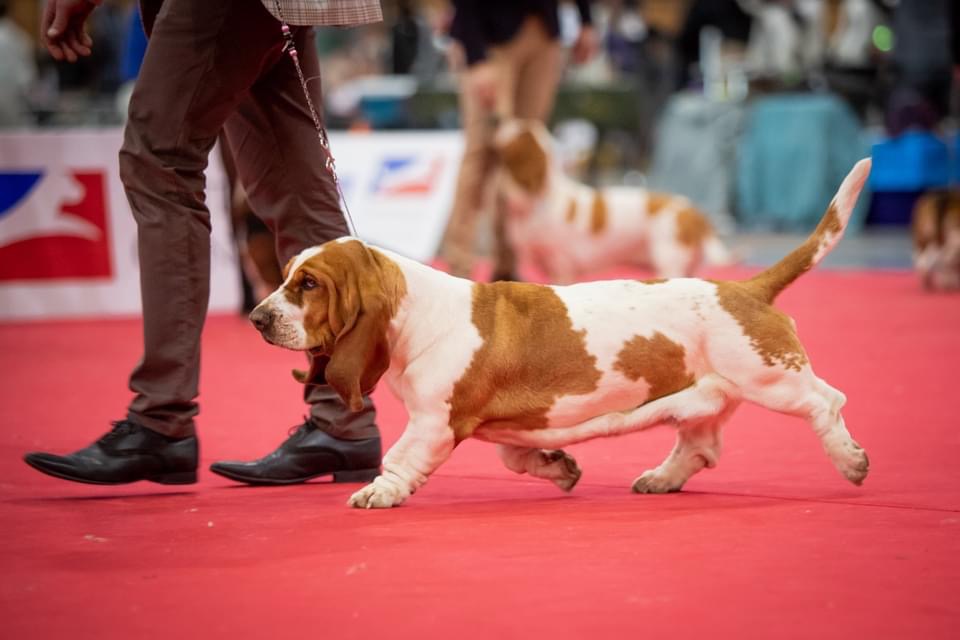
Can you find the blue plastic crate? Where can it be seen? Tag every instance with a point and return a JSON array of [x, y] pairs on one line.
[[955, 152], [384, 112], [912, 162], [892, 207]]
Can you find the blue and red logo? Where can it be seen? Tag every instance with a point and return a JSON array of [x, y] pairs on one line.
[[407, 175], [53, 225]]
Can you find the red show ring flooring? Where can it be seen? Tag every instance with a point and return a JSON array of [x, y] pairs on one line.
[[773, 543]]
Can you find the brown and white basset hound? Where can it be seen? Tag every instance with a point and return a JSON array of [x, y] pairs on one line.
[[936, 240], [534, 368], [568, 229]]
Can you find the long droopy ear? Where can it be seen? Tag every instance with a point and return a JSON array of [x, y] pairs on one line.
[[361, 353]]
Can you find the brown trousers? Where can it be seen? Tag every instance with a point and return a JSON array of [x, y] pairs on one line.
[[212, 66], [528, 68]]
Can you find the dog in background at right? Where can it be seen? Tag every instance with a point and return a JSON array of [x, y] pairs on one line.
[[936, 240]]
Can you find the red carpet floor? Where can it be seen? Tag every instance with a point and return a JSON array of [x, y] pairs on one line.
[[773, 543]]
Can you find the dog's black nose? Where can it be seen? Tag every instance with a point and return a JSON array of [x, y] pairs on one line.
[[261, 318]]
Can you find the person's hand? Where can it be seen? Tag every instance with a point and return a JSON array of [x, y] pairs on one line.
[[62, 28], [481, 80], [586, 45]]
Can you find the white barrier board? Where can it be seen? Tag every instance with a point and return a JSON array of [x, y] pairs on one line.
[[399, 186], [68, 243]]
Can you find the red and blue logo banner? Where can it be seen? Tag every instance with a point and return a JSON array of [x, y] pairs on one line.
[[53, 225]]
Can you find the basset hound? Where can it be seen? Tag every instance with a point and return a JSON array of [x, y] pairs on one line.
[[534, 368], [568, 229], [936, 240]]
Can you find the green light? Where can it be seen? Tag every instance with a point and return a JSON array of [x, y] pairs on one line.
[[883, 38]]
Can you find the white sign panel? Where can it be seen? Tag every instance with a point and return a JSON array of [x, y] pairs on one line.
[[399, 186], [68, 242]]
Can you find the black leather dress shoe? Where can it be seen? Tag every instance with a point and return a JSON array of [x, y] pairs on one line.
[[308, 453], [128, 453]]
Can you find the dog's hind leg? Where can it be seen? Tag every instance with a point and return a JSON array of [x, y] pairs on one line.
[[805, 395], [555, 465], [824, 416], [698, 445]]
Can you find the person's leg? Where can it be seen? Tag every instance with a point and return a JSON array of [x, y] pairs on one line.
[[244, 234], [260, 246], [283, 167], [200, 61], [539, 63], [281, 163], [477, 165]]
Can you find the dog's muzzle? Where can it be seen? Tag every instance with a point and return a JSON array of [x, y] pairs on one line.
[[262, 318]]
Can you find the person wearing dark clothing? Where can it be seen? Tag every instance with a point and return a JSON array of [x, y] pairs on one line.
[[726, 15], [212, 67]]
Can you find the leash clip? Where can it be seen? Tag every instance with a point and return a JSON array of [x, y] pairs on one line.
[[288, 40]]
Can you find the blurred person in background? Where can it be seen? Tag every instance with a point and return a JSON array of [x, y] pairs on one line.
[[212, 66], [786, 39], [857, 41], [513, 61], [924, 56], [406, 38], [730, 17], [17, 71]]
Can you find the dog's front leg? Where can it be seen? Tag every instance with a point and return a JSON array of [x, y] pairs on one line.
[[424, 445]]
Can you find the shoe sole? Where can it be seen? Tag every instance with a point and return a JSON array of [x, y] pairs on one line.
[[178, 477], [358, 475]]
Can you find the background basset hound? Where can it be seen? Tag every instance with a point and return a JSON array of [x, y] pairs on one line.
[[534, 368], [936, 240], [568, 229]]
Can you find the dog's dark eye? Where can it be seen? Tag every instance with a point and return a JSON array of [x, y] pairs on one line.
[[308, 283]]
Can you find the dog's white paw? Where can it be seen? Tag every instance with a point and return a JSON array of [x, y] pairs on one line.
[[652, 481], [851, 460], [374, 496]]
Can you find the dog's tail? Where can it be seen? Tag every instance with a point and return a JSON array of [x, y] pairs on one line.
[[768, 285]]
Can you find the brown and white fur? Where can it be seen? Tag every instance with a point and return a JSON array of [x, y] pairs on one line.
[[936, 240], [534, 368], [568, 229]]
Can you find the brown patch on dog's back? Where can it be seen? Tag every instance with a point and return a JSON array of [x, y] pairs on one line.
[[531, 355], [598, 214], [658, 360], [526, 161], [692, 227], [656, 202], [771, 332], [572, 210]]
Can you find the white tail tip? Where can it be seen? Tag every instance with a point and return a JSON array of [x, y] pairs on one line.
[[851, 187]]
